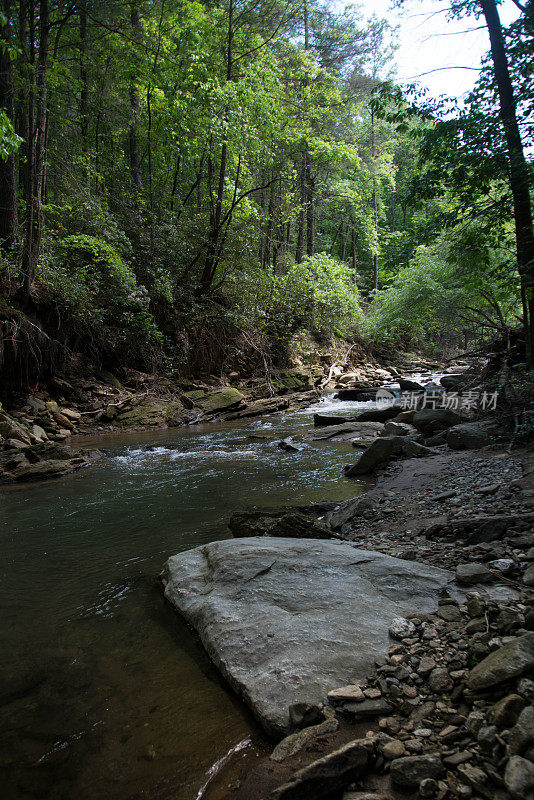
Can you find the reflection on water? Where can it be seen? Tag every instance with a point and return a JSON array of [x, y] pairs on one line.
[[105, 693]]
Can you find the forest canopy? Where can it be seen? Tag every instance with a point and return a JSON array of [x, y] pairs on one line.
[[183, 182]]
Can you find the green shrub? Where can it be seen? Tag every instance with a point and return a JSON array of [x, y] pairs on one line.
[[91, 279]]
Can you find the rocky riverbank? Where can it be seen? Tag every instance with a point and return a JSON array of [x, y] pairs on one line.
[[448, 710], [36, 429], [31, 422]]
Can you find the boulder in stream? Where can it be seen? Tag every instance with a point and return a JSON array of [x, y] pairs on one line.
[[288, 620]]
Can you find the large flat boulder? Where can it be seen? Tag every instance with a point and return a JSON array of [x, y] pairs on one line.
[[287, 620], [217, 400], [152, 413]]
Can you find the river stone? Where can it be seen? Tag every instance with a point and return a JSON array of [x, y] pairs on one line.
[[218, 400], [528, 576], [400, 628], [504, 712], [522, 734], [408, 385], [469, 435], [378, 452], [509, 661], [152, 413], [451, 381], [287, 620], [473, 572], [399, 429], [409, 771], [327, 775], [519, 778], [350, 509], [381, 414], [430, 420], [292, 525], [296, 741]]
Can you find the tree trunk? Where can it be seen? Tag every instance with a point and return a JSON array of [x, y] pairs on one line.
[[212, 253], [84, 92], [375, 204], [310, 208], [299, 253], [268, 246], [519, 169], [37, 155], [25, 64], [8, 178], [135, 109]]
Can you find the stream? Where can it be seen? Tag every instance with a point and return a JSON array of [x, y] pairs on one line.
[[105, 693]]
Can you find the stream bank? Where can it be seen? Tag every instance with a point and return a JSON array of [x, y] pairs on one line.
[[458, 681]]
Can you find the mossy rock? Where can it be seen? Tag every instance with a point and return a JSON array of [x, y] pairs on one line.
[[174, 414], [292, 381], [218, 400], [153, 413], [110, 378]]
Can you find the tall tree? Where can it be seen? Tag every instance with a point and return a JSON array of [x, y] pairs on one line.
[[520, 172], [8, 180]]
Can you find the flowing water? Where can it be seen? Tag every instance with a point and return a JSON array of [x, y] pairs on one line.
[[105, 693]]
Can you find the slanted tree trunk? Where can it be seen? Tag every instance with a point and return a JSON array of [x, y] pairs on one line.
[[519, 170], [8, 178]]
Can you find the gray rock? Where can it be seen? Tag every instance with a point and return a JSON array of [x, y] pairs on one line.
[[416, 450], [408, 385], [519, 778], [324, 420], [505, 712], [471, 573], [522, 734], [528, 576], [327, 775], [408, 772], [451, 381], [351, 694], [449, 613], [525, 688], [302, 715], [350, 509], [289, 445], [399, 429], [293, 743], [440, 680], [367, 709], [504, 565], [380, 451], [401, 627], [394, 749], [277, 523], [39, 433], [469, 436], [11, 429], [43, 470], [476, 778], [509, 661], [431, 421], [287, 620], [379, 414]]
